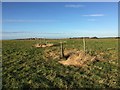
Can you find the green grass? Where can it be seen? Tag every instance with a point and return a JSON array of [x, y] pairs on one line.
[[25, 67]]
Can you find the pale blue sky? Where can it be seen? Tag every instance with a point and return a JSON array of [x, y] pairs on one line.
[[60, 0], [56, 20]]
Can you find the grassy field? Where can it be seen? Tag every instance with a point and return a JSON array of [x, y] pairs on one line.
[[24, 66]]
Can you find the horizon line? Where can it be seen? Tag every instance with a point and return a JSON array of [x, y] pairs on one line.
[[63, 38]]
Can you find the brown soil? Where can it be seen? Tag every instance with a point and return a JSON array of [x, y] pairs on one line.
[[51, 53], [72, 57], [43, 45], [78, 58]]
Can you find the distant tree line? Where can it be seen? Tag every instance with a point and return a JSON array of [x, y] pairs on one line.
[[72, 38]]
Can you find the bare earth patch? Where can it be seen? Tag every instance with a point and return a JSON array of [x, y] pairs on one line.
[[79, 58], [72, 57], [54, 54], [43, 45]]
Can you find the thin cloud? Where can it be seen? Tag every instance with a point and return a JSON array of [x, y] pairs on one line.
[[20, 32], [10, 32], [14, 32], [26, 21], [73, 6], [94, 15]]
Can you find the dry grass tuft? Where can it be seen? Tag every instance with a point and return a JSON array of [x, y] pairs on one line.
[[72, 57], [43, 45], [78, 58]]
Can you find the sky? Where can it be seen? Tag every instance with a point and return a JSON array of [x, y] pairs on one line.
[[60, 0], [59, 19]]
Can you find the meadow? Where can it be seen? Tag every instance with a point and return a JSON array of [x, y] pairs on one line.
[[24, 66]]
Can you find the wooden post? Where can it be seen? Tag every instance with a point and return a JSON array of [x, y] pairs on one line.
[[61, 50], [35, 40], [84, 46], [40, 40], [44, 41]]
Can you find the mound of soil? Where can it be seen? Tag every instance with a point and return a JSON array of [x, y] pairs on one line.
[[79, 58], [43, 45], [71, 57], [54, 53], [51, 54]]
